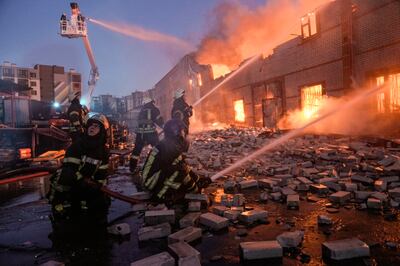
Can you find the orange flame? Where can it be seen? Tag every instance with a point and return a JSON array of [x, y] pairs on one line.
[[239, 111], [220, 70]]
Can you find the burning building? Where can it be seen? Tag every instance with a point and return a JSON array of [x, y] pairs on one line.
[[342, 45], [186, 74]]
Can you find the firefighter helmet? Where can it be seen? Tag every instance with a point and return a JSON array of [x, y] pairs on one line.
[[147, 100], [179, 93], [102, 119]]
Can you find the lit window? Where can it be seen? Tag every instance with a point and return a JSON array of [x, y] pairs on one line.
[[239, 111], [199, 80], [380, 97], [308, 25], [311, 99], [394, 103]]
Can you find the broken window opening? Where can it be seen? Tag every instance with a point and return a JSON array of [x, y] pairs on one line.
[[308, 25], [394, 99], [311, 99], [239, 111], [381, 95]]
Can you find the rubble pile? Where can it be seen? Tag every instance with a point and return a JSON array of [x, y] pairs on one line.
[[339, 171]]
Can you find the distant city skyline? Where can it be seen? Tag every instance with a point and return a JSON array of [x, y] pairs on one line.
[[30, 36]]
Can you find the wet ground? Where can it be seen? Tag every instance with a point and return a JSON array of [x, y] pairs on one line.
[[25, 230]]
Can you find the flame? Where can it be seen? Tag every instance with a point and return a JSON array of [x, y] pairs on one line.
[[311, 100], [239, 111], [199, 80], [220, 70]]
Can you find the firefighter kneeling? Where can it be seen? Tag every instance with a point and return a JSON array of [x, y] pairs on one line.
[[75, 193], [165, 173]]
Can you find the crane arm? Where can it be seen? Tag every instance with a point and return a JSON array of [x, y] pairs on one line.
[[94, 73]]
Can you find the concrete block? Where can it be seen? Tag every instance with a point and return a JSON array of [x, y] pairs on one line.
[[324, 220], [185, 254], [119, 229], [229, 185], [188, 234], [304, 180], [232, 215], [161, 259], [374, 203], [350, 187], [155, 231], [219, 210], [198, 197], [345, 249], [395, 193], [333, 186], [379, 195], [189, 219], [253, 216], [362, 195], [390, 179], [293, 201], [319, 189], [248, 184], [213, 221], [264, 196], [267, 183], [340, 197], [261, 250], [238, 200], [307, 164], [362, 179], [290, 239], [326, 180], [287, 191], [194, 206], [276, 196], [159, 217]]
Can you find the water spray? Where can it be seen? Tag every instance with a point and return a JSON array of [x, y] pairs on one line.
[[250, 61], [297, 131], [143, 34]]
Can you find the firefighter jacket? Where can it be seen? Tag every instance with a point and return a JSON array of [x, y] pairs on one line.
[[182, 111], [68, 189], [166, 174], [76, 116], [149, 116]]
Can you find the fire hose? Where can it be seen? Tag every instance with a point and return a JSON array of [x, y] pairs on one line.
[[9, 177]]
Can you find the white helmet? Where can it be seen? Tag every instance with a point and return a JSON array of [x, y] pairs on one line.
[[147, 100], [179, 93]]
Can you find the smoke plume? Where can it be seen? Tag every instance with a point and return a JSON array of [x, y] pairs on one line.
[[238, 32], [359, 120]]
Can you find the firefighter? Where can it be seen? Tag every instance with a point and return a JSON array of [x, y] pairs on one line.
[[76, 114], [181, 110], [75, 189], [165, 173], [146, 132]]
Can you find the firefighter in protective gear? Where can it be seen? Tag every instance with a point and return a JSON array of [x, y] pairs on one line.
[[181, 110], [76, 115], [75, 188], [165, 173], [146, 132]]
